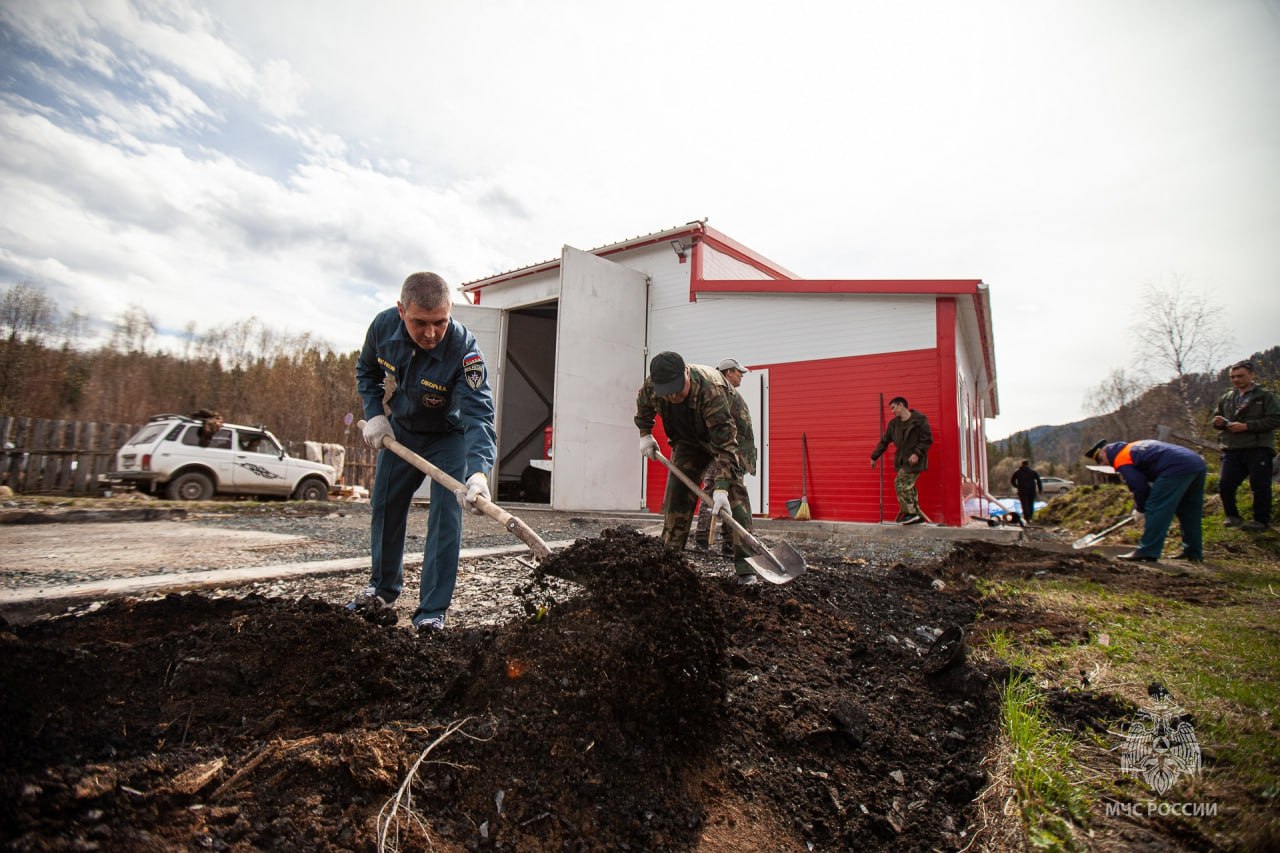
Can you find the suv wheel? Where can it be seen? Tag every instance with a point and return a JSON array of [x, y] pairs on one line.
[[311, 490], [191, 486]]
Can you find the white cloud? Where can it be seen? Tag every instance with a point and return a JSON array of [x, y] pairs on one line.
[[295, 160]]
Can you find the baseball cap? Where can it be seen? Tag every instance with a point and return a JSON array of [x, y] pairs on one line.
[[1098, 445], [667, 372], [730, 364]]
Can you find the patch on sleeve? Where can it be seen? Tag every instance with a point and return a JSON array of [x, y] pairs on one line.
[[473, 370]]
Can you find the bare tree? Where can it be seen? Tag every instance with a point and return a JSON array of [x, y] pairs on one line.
[[133, 330], [1114, 399], [1181, 332], [27, 313]]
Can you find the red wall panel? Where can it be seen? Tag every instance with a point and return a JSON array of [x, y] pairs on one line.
[[836, 403]]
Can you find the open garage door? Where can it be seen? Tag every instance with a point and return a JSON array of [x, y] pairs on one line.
[[600, 365], [486, 324]]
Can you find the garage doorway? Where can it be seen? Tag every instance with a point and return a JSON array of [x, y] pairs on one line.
[[527, 404]]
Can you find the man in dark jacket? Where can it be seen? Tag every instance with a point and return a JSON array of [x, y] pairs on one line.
[[1247, 417], [1166, 480], [1028, 484], [909, 432]]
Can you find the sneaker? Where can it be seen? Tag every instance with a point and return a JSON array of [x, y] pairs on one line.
[[1183, 555], [1232, 521], [429, 625], [913, 519], [1135, 557], [1253, 526], [748, 580], [373, 607]]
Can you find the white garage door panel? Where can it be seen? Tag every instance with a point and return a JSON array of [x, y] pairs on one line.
[[486, 324], [599, 368]]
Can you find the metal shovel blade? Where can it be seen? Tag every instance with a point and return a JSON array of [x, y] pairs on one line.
[[780, 564], [783, 564], [1095, 538]]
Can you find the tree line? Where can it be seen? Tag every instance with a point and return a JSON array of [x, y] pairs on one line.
[[296, 385]]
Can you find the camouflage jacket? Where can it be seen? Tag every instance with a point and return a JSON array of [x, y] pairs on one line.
[[711, 414], [746, 435]]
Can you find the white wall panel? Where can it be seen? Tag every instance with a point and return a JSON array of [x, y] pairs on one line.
[[523, 291], [778, 328], [719, 265]]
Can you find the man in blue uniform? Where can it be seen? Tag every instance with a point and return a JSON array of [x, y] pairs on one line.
[[1166, 480], [441, 408]]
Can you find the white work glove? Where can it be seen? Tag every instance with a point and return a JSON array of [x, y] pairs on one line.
[[477, 487], [649, 447], [375, 428], [719, 501], [1137, 516]]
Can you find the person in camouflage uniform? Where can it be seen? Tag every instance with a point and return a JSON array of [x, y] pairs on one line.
[[909, 432], [696, 406], [733, 371]]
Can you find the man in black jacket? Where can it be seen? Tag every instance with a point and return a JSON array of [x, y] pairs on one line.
[[909, 432], [1247, 417], [1028, 484]]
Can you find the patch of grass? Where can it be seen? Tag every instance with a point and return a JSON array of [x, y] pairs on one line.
[[1219, 658], [1043, 771]]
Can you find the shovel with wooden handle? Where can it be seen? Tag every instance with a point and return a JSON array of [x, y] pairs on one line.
[[515, 526], [1095, 538], [782, 564]]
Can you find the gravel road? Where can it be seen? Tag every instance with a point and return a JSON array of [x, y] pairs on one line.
[[119, 538]]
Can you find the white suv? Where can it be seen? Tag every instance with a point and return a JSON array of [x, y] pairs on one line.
[[167, 454]]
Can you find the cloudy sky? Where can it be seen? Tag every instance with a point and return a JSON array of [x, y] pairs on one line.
[[293, 159]]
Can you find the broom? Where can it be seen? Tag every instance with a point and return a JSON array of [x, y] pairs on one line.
[[802, 514]]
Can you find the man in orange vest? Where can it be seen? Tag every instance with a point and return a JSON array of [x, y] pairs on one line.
[[1167, 480]]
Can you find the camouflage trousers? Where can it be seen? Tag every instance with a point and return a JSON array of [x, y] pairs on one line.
[[904, 485], [678, 503]]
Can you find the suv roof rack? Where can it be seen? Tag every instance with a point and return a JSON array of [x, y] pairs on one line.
[[170, 416]]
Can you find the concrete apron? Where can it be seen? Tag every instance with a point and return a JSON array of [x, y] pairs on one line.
[[187, 581]]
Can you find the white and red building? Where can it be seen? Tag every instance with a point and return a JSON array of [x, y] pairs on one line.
[[568, 342]]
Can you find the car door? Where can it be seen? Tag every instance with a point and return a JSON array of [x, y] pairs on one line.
[[216, 455], [259, 468]]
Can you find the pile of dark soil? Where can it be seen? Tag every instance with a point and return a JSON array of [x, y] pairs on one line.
[[657, 710]]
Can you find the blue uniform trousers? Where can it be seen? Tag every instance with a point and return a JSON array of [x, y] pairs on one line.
[[394, 483], [1182, 496]]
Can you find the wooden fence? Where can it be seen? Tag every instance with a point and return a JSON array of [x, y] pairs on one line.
[[73, 457]]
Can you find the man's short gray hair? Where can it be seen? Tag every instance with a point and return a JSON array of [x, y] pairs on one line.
[[426, 290]]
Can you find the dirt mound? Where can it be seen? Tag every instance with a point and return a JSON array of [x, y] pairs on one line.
[[658, 709]]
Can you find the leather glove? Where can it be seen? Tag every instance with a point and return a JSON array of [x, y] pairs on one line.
[[477, 487], [719, 501], [375, 428], [649, 447]]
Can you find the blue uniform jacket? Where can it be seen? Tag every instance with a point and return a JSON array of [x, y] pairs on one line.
[[1141, 463], [441, 390]]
